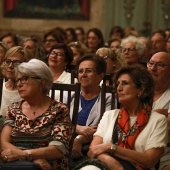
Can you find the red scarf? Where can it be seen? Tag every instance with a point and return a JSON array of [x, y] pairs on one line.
[[127, 135]]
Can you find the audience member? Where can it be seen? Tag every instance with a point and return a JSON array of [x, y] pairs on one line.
[[115, 43], [71, 35], [159, 67], [130, 31], [113, 59], [168, 45], [158, 42], [80, 33], [117, 31], [53, 37], [94, 40], [133, 137], [35, 45], [14, 56], [79, 50], [133, 50], [60, 58], [91, 70], [3, 50], [37, 128], [10, 39]]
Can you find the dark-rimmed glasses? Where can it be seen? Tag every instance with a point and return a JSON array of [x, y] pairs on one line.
[[7, 62], [58, 54], [24, 79], [158, 65], [86, 70], [127, 49]]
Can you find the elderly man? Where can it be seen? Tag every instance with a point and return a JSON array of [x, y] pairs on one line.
[[159, 67]]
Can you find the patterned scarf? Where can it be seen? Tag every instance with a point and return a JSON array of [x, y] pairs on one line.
[[127, 135]]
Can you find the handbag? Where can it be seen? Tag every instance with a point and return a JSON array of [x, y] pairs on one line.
[[20, 165]]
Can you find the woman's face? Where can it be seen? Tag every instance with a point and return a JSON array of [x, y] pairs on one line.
[[88, 76], [10, 69], [56, 59], [49, 42], [126, 90], [130, 53], [30, 45], [93, 40], [2, 54], [8, 41], [28, 86], [76, 55]]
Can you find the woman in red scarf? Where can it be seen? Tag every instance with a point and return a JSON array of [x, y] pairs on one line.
[[133, 137]]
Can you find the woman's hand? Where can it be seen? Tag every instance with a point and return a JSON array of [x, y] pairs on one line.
[[43, 164], [86, 131], [94, 151], [76, 150], [9, 155]]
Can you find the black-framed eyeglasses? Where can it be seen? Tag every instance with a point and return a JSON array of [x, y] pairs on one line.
[[7, 62], [58, 54], [158, 65], [24, 79], [86, 70], [127, 49]]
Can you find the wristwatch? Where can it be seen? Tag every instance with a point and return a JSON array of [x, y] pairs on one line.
[[113, 149], [29, 155]]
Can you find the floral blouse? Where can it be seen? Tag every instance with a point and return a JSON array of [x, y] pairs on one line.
[[51, 128]]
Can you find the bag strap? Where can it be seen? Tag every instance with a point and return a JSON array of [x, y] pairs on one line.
[[115, 132]]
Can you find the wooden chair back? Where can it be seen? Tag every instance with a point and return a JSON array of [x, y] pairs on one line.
[[107, 89], [73, 76], [108, 78], [69, 89], [1, 87]]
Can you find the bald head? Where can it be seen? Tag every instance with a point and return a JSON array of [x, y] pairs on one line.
[[163, 57]]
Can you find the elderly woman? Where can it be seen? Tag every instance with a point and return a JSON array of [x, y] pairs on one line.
[[91, 70], [14, 56], [133, 50], [44, 122], [133, 137], [79, 50]]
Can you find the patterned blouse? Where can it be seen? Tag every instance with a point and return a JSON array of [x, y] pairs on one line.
[[51, 128]]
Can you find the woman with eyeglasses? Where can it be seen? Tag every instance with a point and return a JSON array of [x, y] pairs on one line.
[[36, 128], [14, 56], [133, 137], [91, 70], [133, 50]]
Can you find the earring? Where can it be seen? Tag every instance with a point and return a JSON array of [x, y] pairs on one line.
[[138, 96]]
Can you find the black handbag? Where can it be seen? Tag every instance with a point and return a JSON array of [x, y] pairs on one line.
[[20, 165]]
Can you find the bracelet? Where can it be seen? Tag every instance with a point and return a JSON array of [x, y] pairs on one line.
[[113, 149]]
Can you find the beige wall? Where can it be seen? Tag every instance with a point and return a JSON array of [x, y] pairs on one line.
[[39, 26]]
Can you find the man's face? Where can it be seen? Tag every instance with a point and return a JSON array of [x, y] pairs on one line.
[[158, 43], [159, 67]]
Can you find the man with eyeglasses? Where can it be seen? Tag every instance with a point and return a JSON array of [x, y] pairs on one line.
[[159, 67]]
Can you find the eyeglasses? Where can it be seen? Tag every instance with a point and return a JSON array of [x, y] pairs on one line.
[[58, 54], [128, 49], [158, 65], [24, 79], [7, 62], [50, 40], [86, 70]]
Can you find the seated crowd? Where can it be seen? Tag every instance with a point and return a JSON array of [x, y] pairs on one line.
[[35, 128]]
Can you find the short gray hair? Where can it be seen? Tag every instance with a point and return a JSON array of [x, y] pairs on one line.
[[140, 47], [37, 68]]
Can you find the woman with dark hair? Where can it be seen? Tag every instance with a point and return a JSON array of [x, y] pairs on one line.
[[80, 33], [133, 137], [71, 35], [117, 31], [94, 40], [59, 60]]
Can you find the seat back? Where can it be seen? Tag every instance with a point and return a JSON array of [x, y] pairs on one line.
[[69, 89], [108, 79], [107, 89], [74, 76]]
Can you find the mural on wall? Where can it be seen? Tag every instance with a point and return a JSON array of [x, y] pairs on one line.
[[47, 9]]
